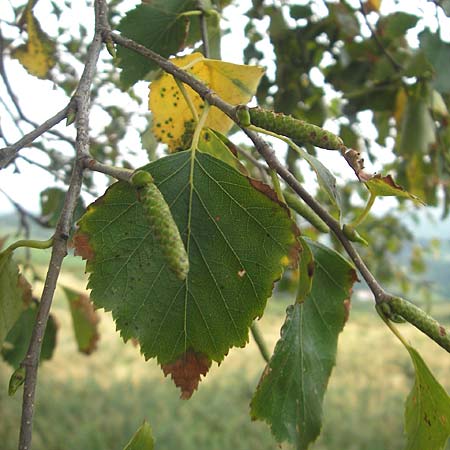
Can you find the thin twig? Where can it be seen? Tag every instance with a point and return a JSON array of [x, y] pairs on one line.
[[59, 251], [7, 154], [379, 44], [23, 212], [115, 172]]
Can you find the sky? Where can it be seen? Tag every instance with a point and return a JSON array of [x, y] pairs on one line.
[[40, 100]]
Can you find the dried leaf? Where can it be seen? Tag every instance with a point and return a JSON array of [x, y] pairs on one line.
[[187, 370]]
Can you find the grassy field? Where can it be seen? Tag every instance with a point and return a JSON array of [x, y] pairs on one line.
[[97, 402]]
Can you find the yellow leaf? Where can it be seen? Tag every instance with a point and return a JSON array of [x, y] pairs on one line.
[[373, 5], [37, 55], [400, 104], [174, 121]]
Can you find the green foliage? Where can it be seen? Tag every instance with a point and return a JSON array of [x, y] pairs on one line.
[[142, 439], [16, 342], [15, 293], [291, 390], [84, 319], [157, 25], [427, 413], [231, 273]]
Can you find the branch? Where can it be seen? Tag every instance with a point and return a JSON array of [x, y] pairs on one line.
[[59, 251], [266, 152], [379, 44], [259, 340], [8, 154], [115, 172]]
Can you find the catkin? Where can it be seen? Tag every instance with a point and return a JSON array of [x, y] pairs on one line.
[[162, 224], [297, 130]]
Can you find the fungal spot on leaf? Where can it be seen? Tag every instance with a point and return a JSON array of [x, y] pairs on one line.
[[187, 370], [217, 218], [347, 306], [241, 273]]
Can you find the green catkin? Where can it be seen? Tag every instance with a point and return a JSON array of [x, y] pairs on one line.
[[297, 130], [161, 223]]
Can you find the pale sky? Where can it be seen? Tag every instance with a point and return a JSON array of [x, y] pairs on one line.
[[40, 100]]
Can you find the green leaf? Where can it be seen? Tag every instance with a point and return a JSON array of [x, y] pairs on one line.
[[18, 339], [231, 272], [84, 319], [142, 439], [306, 272], [427, 411], [290, 393], [157, 26], [327, 180], [417, 128], [52, 202], [386, 186], [219, 146], [15, 294], [438, 53], [397, 24]]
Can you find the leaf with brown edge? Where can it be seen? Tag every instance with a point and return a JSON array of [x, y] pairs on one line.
[[386, 186], [231, 275], [15, 294], [85, 320], [186, 372], [82, 247]]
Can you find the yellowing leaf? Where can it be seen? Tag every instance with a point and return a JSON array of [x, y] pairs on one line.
[[174, 121], [386, 186], [400, 104], [373, 5], [37, 55]]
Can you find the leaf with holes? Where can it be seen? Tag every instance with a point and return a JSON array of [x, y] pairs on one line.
[[173, 120], [427, 412], [84, 320], [291, 390], [188, 323], [15, 294]]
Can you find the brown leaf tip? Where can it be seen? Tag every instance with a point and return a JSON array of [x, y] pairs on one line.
[[186, 371], [82, 246]]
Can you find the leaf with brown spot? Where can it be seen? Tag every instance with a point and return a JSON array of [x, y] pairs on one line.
[[187, 370], [85, 320], [290, 394], [212, 309], [427, 409], [172, 115]]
